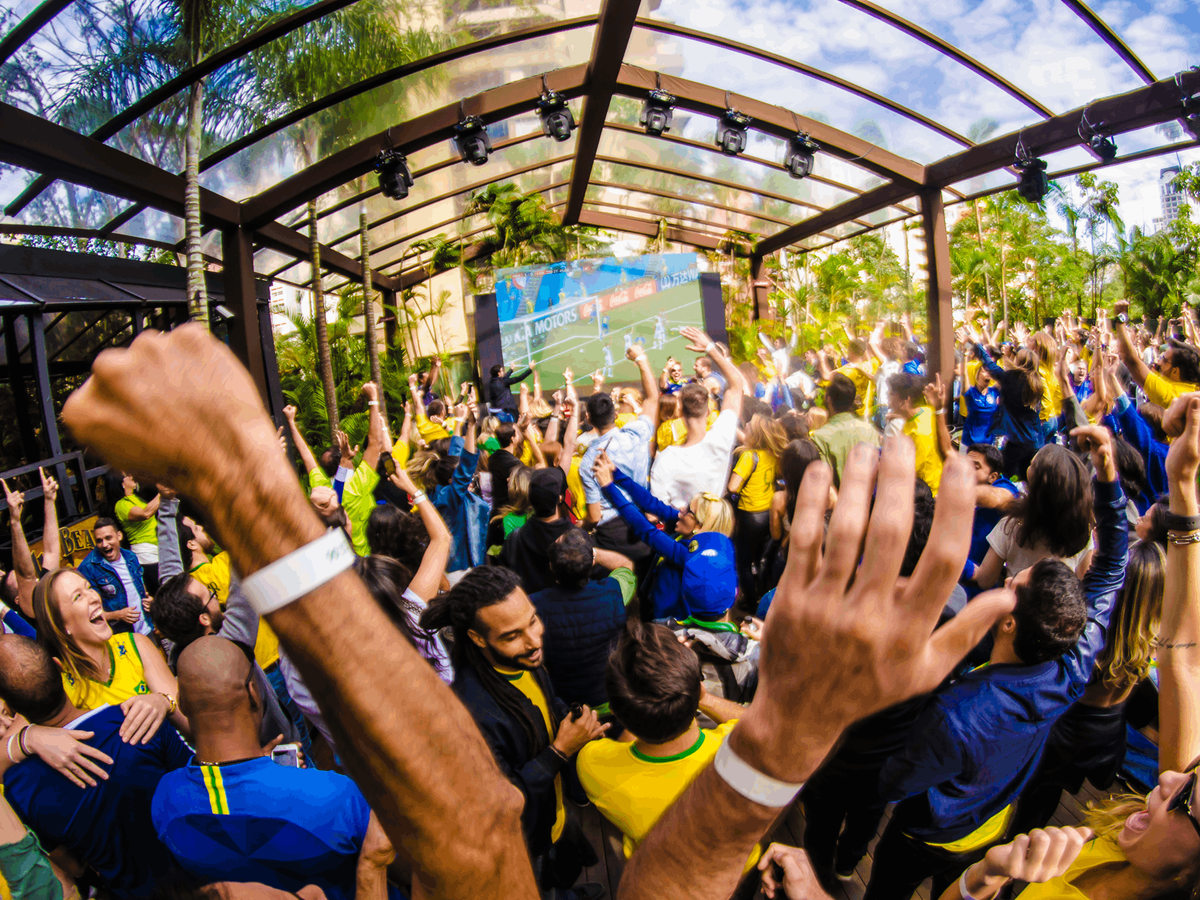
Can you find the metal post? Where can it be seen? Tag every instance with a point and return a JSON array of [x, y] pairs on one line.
[[16, 383], [245, 334], [760, 288], [939, 299], [41, 374]]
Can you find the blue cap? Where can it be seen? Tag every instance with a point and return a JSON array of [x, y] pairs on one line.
[[709, 575]]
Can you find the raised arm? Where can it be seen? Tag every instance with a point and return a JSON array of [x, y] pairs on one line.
[[1129, 355], [936, 395], [170, 555], [570, 437], [700, 342], [180, 405], [719, 709], [306, 455], [1179, 633], [377, 439], [51, 547], [142, 513], [513, 377], [433, 563], [22, 559], [658, 541], [637, 355]]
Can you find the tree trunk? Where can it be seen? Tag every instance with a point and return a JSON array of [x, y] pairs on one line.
[[369, 313], [196, 290], [987, 281], [1004, 285], [324, 360]]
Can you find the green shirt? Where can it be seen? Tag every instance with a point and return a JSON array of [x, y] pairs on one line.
[[358, 499], [837, 436], [317, 478], [627, 581], [143, 532]]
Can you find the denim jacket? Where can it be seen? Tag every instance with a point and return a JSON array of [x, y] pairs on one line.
[[102, 576], [465, 514]]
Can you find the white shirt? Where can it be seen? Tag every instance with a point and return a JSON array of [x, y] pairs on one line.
[[132, 597], [1018, 558], [800, 381], [680, 473]]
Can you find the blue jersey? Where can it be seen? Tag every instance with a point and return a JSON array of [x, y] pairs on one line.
[[981, 410], [108, 825], [258, 821], [985, 520]]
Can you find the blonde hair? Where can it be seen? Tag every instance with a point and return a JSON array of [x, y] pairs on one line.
[[712, 513], [633, 397], [764, 434], [539, 408], [1107, 819], [668, 407], [421, 469], [518, 494], [1129, 650]]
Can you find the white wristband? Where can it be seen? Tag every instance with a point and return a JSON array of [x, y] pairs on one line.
[[372, 403], [752, 784], [300, 572], [710, 348], [962, 885]]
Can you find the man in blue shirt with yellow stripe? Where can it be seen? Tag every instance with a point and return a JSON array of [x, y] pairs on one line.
[[979, 739], [234, 814]]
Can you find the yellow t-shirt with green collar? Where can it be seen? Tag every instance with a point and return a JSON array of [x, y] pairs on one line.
[[758, 480], [1161, 391], [358, 499], [633, 790], [127, 677], [524, 682]]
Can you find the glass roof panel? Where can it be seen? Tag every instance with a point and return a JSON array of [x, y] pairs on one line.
[[717, 220], [843, 41], [97, 57], [1046, 49], [739, 169], [1165, 36], [13, 180], [156, 225], [773, 83], [285, 152], [67, 205]]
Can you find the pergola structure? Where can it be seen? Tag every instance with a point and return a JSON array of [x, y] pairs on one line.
[[856, 185]]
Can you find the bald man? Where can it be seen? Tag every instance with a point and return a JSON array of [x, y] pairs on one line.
[[107, 826], [234, 815]]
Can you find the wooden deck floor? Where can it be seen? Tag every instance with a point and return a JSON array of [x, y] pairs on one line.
[[606, 840]]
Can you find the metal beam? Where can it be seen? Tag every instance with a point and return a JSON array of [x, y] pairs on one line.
[[35, 143], [16, 384], [819, 74], [185, 79], [760, 288], [681, 219], [288, 240], [1139, 108], [940, 295], [632, 225], [878, 198], [775, 120], [29, 26], [1111, 38], [617, 18], [241, 296], [41, 375], [930, 39], [671, 195], [415, 134]]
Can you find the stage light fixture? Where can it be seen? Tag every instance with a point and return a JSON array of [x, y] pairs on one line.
[[394, 177], [731, 132], [1102, 145], [1034, 183], [801, 155], [656, 114], [557, 120], [471, 138]]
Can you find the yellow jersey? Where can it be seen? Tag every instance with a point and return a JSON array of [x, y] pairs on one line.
[[429, 430], [1161, 391], [1051, 393], [528, 685], [923, 430], [1100, 852], [127, 677], [633, 790], [863, 376], [671, 433], [575, 485], [758, 480], [988, 833]]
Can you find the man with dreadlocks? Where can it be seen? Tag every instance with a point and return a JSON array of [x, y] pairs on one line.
[[499, 677]]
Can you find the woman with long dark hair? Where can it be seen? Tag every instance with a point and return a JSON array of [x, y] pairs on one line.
[[1053, 518], [753, 481], [1019, 413]]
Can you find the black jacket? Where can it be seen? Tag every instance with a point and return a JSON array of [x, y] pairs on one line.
[[581, 627], [533, 775], [499, 395]]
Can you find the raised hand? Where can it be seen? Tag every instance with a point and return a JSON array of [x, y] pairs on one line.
[[878, 645], [1097, 440], [935, 393], [371, 390], [49, 486], [568, 375], [15, 500], [603, 469], [1037, 857], [289, 413], [282, 440], [698, 341], [634, 352]]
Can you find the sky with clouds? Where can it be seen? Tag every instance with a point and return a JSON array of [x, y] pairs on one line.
[[1041, 46]]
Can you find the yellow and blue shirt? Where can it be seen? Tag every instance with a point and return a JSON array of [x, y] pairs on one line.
[[127, 677]]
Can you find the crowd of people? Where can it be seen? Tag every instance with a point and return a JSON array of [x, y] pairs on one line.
[[407, 670]]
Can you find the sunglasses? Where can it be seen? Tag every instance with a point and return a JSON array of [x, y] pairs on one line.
[[1183, 800]]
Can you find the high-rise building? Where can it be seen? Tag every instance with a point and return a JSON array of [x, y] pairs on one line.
[[1173, 199]]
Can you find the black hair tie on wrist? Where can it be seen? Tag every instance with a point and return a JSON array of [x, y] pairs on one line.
[[1177, 522]]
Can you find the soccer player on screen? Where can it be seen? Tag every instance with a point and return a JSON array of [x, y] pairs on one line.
[[660, 332], [608, 362]]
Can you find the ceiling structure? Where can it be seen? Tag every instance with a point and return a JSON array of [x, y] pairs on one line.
[[105, 164]]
